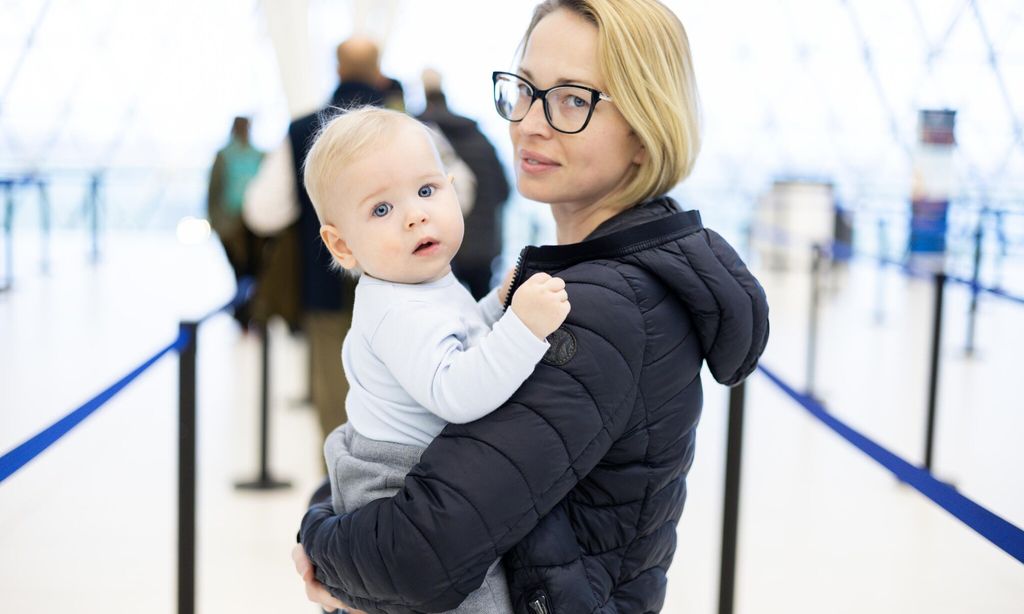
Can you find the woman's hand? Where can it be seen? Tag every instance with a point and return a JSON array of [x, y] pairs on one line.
[[315, 591]]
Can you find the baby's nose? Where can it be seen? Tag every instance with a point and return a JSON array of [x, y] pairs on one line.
[[417, 216]]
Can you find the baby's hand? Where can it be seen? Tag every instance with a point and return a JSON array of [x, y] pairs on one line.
[[542, 304]]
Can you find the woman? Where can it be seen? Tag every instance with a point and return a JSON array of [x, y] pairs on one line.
[[578, 482]]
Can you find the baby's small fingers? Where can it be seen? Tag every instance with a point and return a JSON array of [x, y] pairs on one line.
[[556, 283], [540, 278], [563, 296]]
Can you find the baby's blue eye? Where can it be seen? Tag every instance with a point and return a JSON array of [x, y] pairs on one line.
[[382, 209], [426, 191]]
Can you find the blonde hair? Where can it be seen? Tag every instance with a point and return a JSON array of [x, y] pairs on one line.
[[644, 57], [338, 142]]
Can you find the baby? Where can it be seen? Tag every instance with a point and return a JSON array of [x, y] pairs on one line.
[[421, 353]]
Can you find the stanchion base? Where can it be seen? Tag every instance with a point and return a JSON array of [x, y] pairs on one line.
[[266, 483], [972, 355]]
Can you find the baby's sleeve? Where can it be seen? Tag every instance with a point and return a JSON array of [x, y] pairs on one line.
[[424, 347], [491, 308]]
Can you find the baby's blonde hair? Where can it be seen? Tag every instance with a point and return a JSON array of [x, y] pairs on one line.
[[644, 57], [339, 141]]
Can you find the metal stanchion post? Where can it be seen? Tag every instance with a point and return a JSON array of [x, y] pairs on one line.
[[812, 319], [731, 508], [265, 481], [8, 236], [94, 216], [972, 314], [933, 379], [999, 229], [44, 226], [187, 471], [883, 251]]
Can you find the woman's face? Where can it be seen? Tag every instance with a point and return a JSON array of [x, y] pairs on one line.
[[569, 169]]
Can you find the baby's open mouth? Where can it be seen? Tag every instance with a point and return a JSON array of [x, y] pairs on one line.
[[425, 246]]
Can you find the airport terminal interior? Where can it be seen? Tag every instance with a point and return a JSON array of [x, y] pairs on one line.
[[865, 159]]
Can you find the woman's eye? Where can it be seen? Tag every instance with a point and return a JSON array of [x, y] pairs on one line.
[[578, 102], [426, 191], [382, 209]]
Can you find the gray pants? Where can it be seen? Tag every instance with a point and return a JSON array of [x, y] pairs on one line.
[[361, 470]]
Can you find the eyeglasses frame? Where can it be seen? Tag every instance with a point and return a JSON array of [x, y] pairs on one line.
[[595, 96]]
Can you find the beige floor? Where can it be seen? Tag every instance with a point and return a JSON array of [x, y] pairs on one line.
[[90, 525]]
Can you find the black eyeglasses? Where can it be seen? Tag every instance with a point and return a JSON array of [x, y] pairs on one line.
[[568, 108]]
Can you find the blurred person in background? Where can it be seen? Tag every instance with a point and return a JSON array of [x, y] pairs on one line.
[[276, 202], [482, 243], [234, 167], [394, 93], [578, 481]]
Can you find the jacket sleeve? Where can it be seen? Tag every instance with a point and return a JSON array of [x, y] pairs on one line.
[[481, 487]]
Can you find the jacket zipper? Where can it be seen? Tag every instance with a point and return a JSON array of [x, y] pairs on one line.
[[515, 276], [539, 603]]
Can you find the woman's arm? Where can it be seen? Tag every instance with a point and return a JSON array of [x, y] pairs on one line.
[[481, 487]]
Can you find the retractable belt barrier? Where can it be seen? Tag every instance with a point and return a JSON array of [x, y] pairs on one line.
[[20, 456], [989, 525], [992, 527], [185, 346]]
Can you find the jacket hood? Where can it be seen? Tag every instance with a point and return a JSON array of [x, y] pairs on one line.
[[726, 303]]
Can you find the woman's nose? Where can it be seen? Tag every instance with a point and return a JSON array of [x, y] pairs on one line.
[[535, 122]]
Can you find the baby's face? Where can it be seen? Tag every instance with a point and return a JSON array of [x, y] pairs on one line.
[[396, 211]]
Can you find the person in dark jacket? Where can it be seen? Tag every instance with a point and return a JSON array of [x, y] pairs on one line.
[[579, 480], [277, 202], [482, 243]]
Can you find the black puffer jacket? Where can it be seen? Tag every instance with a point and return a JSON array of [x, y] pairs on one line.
[[579, 480]]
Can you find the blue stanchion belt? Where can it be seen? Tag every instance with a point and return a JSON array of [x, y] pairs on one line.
[[18, 457], [246, 286], [987, 524], [846, 250], [979, 288]]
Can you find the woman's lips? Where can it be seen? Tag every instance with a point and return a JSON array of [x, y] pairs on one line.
[[534, 163]]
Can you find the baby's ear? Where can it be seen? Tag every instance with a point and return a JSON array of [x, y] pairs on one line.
[[337, 246]]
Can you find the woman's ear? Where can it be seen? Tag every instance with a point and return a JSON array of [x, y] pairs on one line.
[[641, 156], [337, 246]]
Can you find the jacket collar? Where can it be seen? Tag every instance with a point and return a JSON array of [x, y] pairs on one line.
[[638, 228]]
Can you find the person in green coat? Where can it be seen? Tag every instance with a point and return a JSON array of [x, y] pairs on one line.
[[233, 168]]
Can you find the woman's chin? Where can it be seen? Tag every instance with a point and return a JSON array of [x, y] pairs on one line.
[[530, 190]]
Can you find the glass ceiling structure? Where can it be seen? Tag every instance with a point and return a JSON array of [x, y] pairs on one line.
[[143, 92]]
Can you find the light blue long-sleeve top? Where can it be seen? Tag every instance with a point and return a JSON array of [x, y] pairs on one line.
[[419, 356]]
